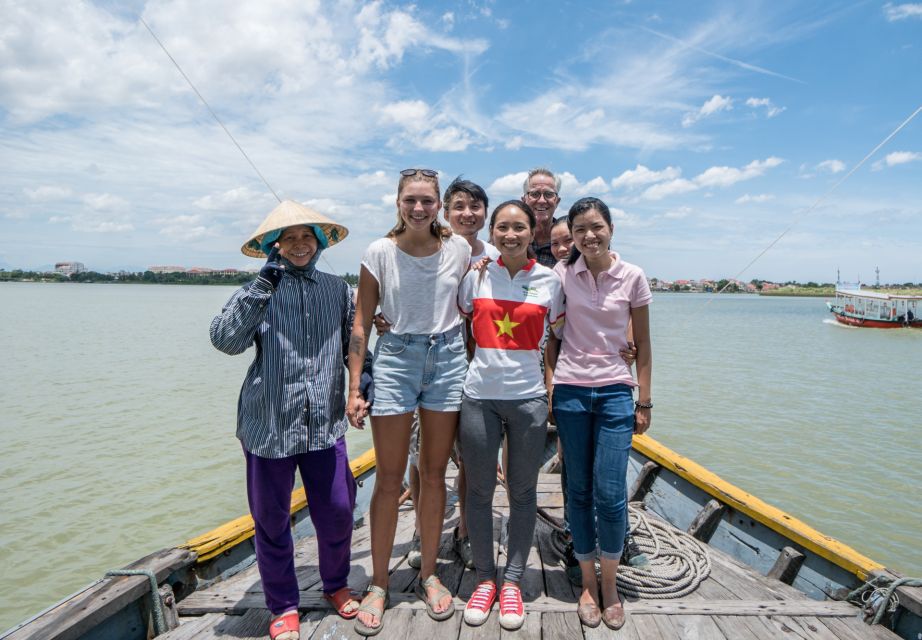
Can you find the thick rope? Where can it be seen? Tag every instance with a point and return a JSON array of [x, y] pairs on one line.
[[155, 605], [677, 562]]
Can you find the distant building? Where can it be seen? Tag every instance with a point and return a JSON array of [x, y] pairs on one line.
[[69, 268], [166, 269]]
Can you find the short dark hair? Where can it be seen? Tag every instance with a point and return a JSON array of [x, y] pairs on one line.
[[460, 185]]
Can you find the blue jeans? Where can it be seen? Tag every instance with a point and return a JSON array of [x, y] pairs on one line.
[[414, 370], [595, 426]]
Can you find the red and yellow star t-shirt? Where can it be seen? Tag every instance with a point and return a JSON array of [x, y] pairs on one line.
[[508, 319]]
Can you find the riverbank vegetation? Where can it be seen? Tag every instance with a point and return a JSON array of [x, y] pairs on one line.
[[141, 277]]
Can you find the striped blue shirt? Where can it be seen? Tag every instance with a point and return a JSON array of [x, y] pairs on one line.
[[293, 397]]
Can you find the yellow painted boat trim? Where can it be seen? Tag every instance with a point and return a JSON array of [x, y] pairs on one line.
[[229, 535], [775, 519]]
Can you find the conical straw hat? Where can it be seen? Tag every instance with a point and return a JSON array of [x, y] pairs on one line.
[[287, 214]]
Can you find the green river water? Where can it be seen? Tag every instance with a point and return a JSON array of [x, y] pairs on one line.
[[118, 423]]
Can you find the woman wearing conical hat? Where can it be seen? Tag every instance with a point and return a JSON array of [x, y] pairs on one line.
[[291, 407]]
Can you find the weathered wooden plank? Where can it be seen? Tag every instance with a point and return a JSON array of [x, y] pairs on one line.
[[530, 629], [786, 565], [805, 627], [425, 628], [556, 583], [747, 582], [852, 628], [698, 627], [193, 627], [644, 627], [735, 628], [489, 630], [313, 601], [601, 632], [645, 479], [78, 615], [704, 524], [561, 625]]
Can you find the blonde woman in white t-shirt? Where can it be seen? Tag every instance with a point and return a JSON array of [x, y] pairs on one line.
[[414, 274]]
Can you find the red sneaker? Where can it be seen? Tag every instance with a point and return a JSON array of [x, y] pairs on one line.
[[511, 609], [478, 607]]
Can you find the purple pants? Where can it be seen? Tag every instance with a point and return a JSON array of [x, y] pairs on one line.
[[331, 499]]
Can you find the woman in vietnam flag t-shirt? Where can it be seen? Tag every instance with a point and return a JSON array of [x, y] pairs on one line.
[[508, 303]]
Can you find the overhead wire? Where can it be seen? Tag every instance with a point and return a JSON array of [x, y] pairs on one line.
[[825, 195], [218, 120]]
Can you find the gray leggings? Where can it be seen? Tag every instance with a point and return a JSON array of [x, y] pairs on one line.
[[482, 430]]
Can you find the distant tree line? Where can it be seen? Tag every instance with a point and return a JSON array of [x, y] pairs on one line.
[[141, 277]]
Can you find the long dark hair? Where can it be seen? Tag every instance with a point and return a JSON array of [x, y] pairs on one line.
[[581, 206]]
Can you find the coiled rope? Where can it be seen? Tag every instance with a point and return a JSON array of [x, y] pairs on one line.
[[677, 562]]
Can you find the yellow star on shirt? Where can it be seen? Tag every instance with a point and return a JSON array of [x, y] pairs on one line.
[[506, 326]]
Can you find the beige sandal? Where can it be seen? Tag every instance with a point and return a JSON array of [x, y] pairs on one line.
[[360, 627], [433, 582]]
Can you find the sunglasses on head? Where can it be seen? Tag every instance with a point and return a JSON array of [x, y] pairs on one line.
[[429, 173]]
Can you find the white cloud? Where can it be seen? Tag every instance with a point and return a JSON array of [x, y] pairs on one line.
[[896, 12], [48, 193], [719, 177], [832, 166], [726, 176], [897, 157], [104, 202], [669, 188], [409, 114], [678, 213], [759, 198], [571, 187], [770, 109], [509, 184], [387, 35], [715, 104], [641, 176]]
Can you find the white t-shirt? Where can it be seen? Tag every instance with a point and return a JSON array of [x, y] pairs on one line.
[[489, 251], [508, 319], [418, 295]]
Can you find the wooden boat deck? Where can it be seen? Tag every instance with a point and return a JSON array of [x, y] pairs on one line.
[[734, 603]]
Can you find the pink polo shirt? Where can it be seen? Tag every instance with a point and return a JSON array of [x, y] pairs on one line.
[[596, 323]]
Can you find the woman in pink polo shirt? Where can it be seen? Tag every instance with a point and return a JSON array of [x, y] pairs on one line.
[[593, 400]]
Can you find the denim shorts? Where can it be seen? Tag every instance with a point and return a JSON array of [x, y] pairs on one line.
[[418, 370]]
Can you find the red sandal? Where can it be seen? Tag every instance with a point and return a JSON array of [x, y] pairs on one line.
[[340, 600], [286, 627]]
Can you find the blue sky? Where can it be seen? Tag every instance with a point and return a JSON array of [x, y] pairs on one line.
[[709, 127]]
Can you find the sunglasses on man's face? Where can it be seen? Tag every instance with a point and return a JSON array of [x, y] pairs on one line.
[[429, 173]]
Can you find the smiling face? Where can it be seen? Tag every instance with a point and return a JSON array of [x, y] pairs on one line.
[[591, 234], [298, 244], [418, 205], [561, 241], [511, 233], [465, 214], [545, 204]]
